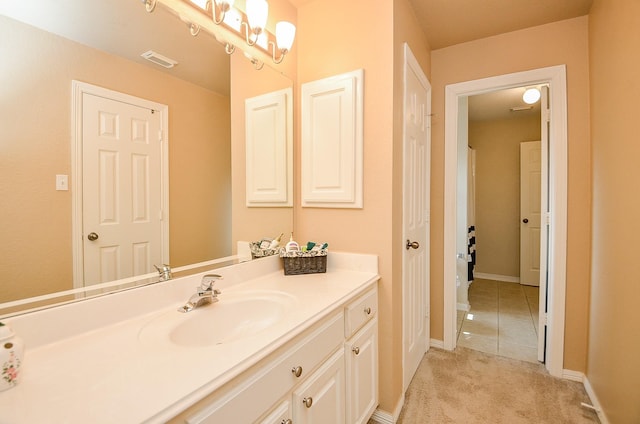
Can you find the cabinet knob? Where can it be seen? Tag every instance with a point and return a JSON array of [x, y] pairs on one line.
[[355, 350], [367, 310], [287, 421], [297, 371], [308, 401]]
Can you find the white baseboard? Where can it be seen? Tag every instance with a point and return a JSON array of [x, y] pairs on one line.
[[594, 401], [436, 343], [496, 277], [384, 417], [581, 378], [573, 375]]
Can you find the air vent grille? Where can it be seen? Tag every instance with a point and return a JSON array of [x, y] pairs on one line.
[[159, 59]]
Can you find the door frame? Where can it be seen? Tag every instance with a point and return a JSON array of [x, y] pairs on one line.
[[555, 77], [411, 63], [78, 89]]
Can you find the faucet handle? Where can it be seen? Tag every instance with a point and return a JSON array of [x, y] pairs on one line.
[[209, 280]]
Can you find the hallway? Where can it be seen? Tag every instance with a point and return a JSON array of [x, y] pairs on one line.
[[503, 320]]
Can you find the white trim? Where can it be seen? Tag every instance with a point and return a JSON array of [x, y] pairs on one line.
[[383, 417], [439, 344], [594, 401], [573, 375], [78, 89], [497, 277], [555, 76]]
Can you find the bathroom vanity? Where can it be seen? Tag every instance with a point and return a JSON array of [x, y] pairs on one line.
[[273, 349]]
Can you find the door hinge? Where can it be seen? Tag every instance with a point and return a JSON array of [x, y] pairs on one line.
[[547, 115], [544, 319], [547, 218], [160, 135]]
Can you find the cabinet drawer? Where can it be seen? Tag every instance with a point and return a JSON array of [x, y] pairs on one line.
[[360, 311], [272, 379]]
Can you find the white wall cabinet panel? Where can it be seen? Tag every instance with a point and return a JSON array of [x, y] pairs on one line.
[[269, 149], [332, 141]]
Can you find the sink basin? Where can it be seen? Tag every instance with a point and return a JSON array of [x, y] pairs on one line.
[[235, 316]]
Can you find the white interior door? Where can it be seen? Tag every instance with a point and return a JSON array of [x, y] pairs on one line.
[[416, 191], [530, 196], [121, 189]]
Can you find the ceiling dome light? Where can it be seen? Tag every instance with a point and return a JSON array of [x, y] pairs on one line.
[[531, 95]]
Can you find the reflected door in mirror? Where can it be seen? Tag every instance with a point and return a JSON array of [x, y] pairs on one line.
[[121, 194]]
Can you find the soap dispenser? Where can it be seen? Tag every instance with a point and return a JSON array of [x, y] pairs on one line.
[[292, 246], [11, 355]]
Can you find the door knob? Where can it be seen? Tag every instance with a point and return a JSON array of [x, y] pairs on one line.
[[92, 236], [525, 220], [412, 244]]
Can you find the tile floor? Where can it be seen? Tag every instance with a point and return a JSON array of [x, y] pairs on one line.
[[503, 320]]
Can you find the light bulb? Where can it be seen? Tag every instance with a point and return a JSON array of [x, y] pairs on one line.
[[285, 34], [531, 95], [257, 12]]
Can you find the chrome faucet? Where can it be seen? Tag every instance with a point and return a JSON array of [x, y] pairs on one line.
[[205, 295], [165, 272]]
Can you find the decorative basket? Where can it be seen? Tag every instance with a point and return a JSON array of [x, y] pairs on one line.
[[296, 263], [256, 252]]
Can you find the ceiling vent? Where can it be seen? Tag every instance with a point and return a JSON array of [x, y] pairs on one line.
[[159, 59], [520, 108]]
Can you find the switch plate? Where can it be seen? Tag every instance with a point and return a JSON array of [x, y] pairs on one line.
[[62, 182]]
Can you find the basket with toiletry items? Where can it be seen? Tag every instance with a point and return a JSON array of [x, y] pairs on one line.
[[265, 247], [308, 259]]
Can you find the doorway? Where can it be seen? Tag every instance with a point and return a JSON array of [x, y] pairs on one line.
[[496, 314], [553, 239]]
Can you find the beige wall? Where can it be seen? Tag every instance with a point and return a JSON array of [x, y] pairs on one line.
[[614, 342], [330, 42], [497, 145], [253, 224], [564, 42], [35, 142]]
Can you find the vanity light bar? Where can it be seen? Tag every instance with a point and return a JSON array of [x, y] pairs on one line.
[[159, 59]]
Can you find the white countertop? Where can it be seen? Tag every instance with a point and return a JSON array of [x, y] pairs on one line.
[[102, 372]]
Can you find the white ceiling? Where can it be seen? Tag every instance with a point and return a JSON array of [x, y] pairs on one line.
[[499, 105], [124, 28], [449, 22]]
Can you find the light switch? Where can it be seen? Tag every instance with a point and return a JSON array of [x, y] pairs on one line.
[[62, 182]]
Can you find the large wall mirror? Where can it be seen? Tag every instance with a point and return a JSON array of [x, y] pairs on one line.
[[45, 46]]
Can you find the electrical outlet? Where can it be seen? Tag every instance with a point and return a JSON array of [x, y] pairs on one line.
[[62, 182]]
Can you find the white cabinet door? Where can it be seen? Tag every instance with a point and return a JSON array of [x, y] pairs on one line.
[[280, 415], [361, 358], [332, 142], [321, 398]]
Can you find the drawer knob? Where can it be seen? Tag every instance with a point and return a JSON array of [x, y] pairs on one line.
[[307, 402], [287, 421], [355, 350], [297, 371], [367, 310]]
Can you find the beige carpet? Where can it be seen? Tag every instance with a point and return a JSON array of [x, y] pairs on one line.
[[467, 386]]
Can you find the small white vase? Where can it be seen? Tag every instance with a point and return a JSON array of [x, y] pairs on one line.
[[11, 355]]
